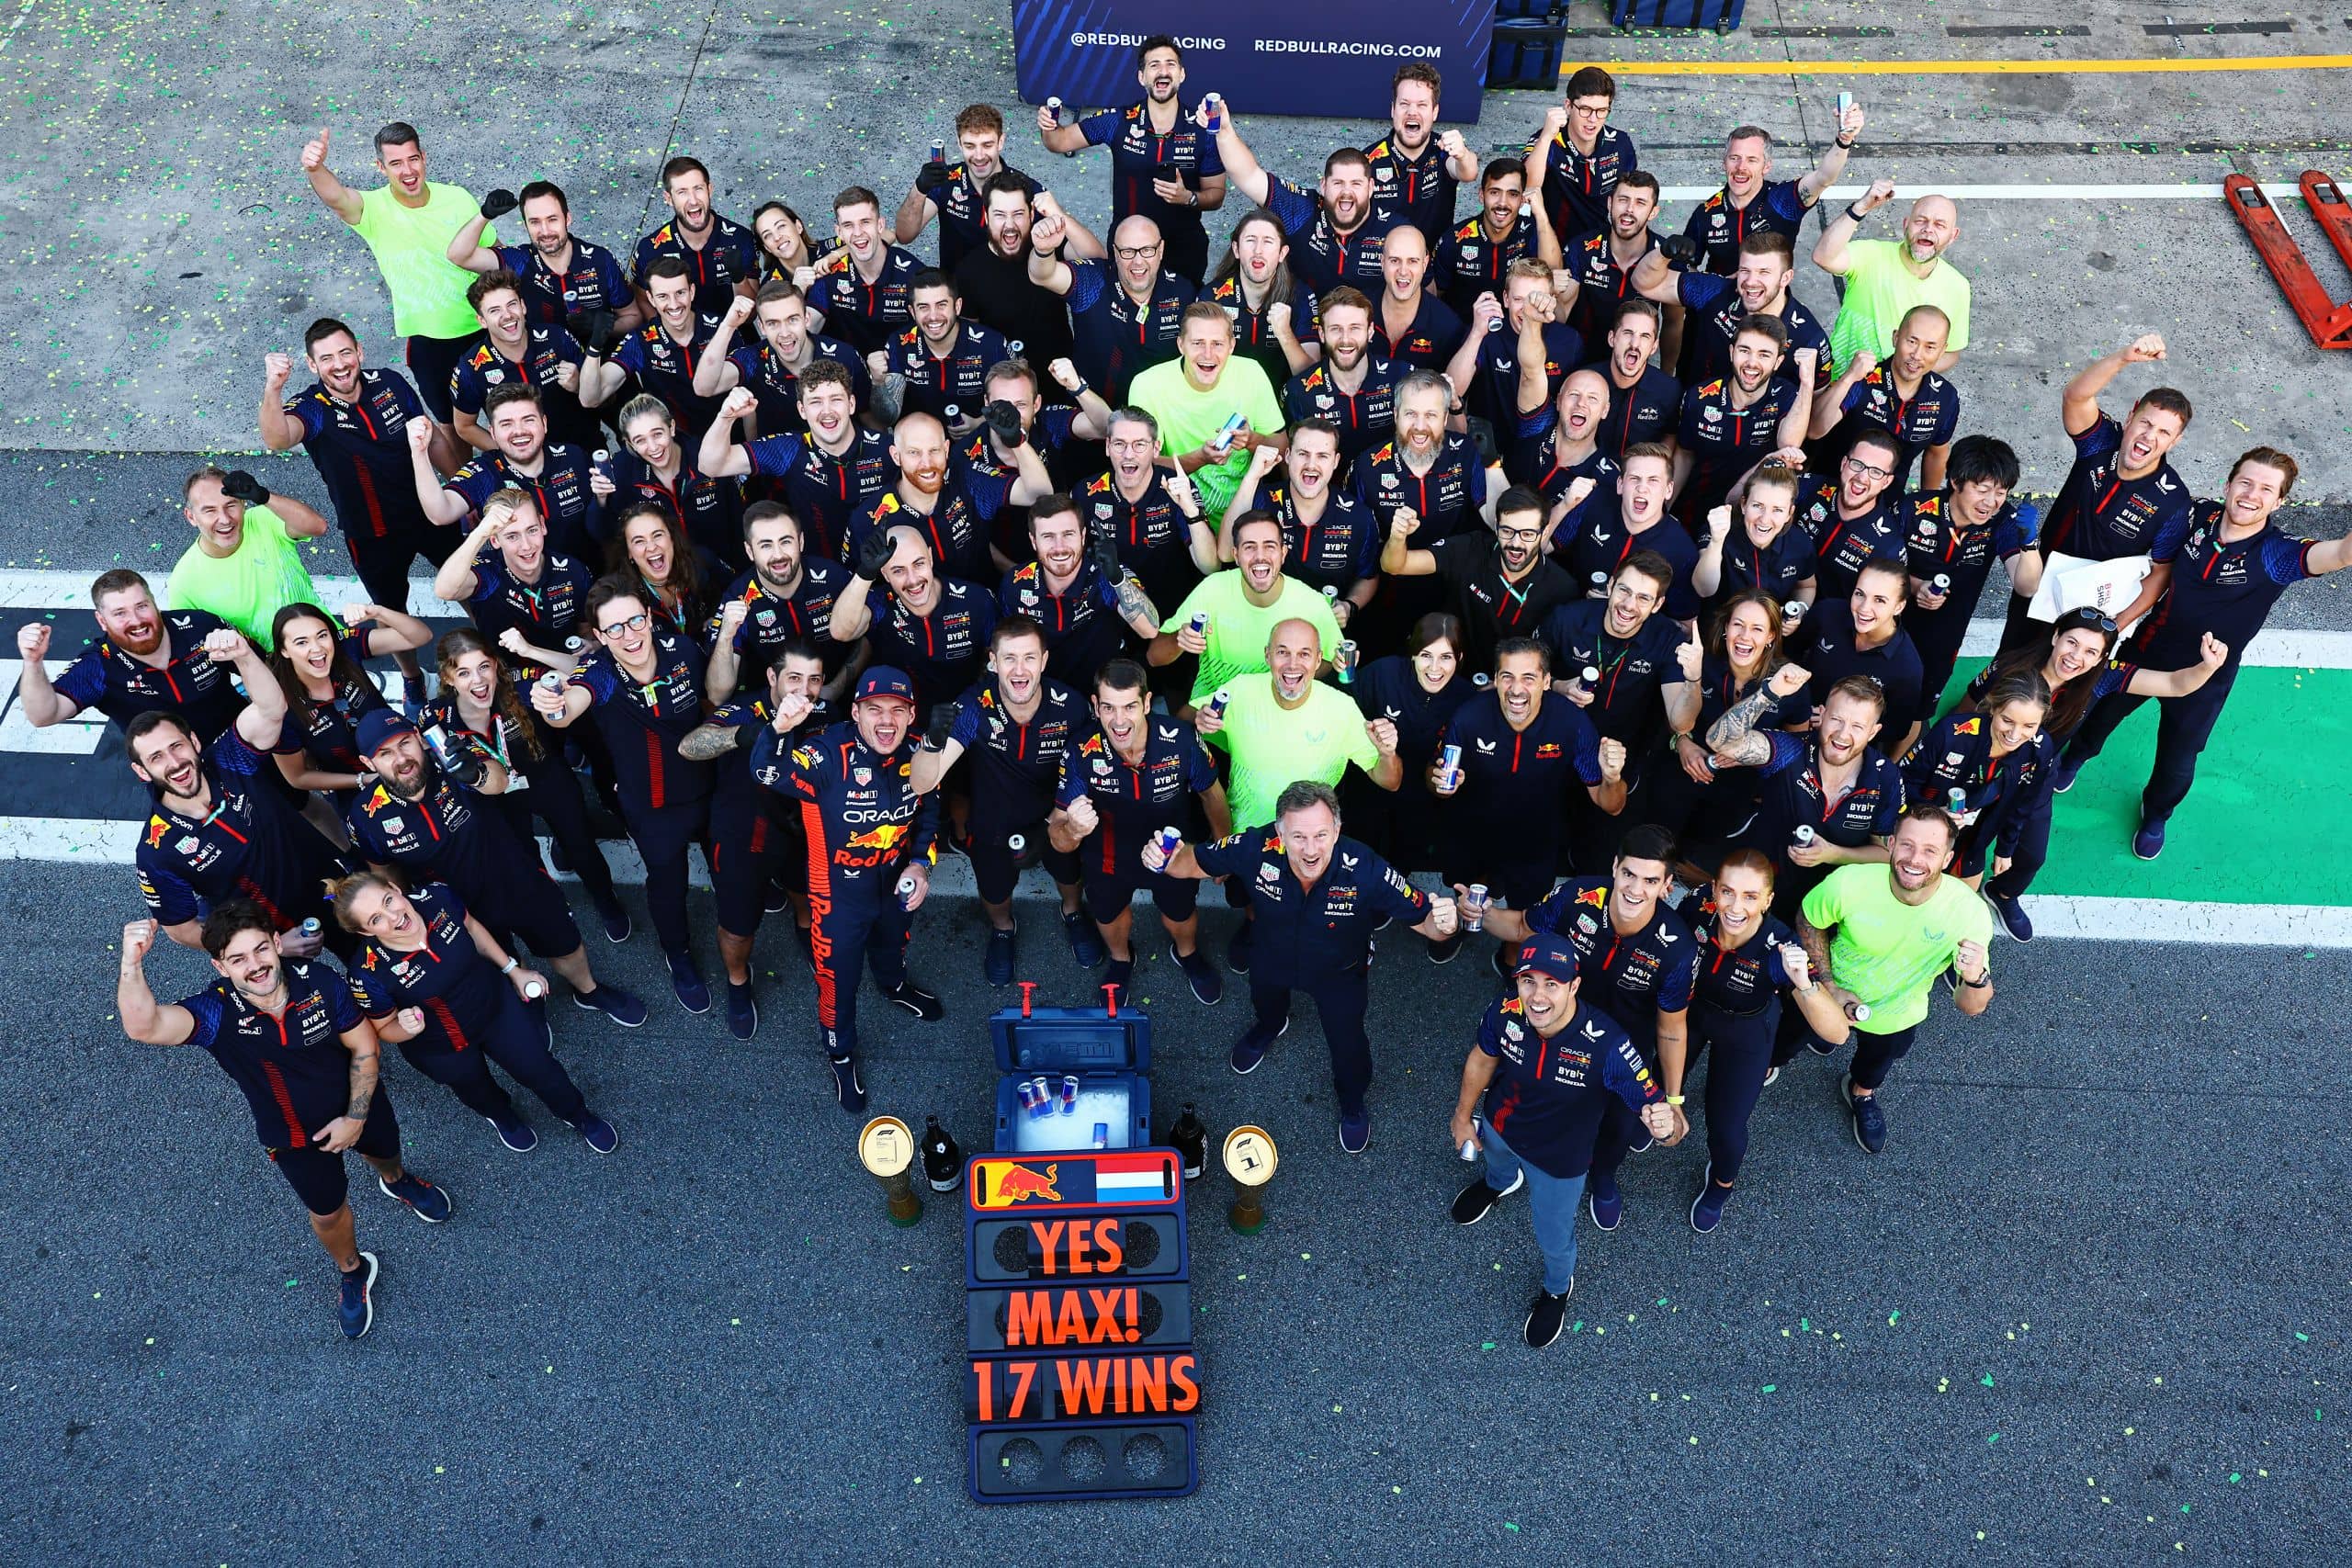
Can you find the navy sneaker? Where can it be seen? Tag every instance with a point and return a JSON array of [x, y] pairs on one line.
[[742, 1012], [997, 963], [616, 926], [1355, 1132], [1121, 974], [1237, 956], [1445, 950], [426, 1201], [597, 1134], [1608, 1208], [1208, 986], [2062, 775], [2014, 919], [514, 1133], [623, 1008], [1251, 1049], [1707, 1208], [358, 1311], [916, 1000], [2149, 842], [1869, 1122], [1817, 1045], [1476, 1201], [1085, 945], [1772, 1077], [1546, 1315], [848, 1089], [686, 980]]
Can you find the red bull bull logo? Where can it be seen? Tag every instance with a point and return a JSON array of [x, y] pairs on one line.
[[1006, 1184], [882, 836]]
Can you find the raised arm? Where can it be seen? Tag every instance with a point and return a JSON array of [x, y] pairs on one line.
[[715, 373], [443, 506], [37, 698], [340, 200], [1241, 165], [1830, 253], [1397, 557], [1046, 268], [264, 713], [2080, 409], [144, 1019], [1833, 163], [281, 431]]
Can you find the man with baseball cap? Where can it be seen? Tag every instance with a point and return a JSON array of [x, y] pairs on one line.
[[870, 853], [1544, 1067]]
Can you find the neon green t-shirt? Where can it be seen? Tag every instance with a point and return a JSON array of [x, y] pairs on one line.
[[1238, 630], [1880, 290], [412, 249], [1889, 953], [1273, 747], [1188, 417], [249, 588]]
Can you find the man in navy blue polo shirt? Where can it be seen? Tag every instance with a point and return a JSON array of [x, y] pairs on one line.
[[1335, 230], [1580, 158], [1731, 424], [1752, 202], [916, 618], [771, 364], [567, 281], [663, 355], [289, 1036], [1903, 398], [1856, 517], [553, 474], [513, 349], [146, 660], [942, 361], [1645, 402], [1952, 537], [1633, 643], [1412, 328], [861, 290], [1638, 524], [1164, 164], [1598, 265], [1125, 314], [1349, 388], [1329, 540], [1413, 171], [957, 192], [1474, 258], [1714, 307], [1509, 337], [1315, 897], [529, 601], [830, 475], [1547, 1071], [1087, 608], [2228, 565], [721, 257], [784, 598], [1824, 802]]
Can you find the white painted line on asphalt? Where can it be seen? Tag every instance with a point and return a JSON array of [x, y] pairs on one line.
[[1838, 195], [55, 590], [2269, 650]]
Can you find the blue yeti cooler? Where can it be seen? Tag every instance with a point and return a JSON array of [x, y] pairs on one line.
[[1109, 1056]]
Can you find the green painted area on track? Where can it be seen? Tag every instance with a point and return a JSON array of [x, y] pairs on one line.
[[2260, 827]]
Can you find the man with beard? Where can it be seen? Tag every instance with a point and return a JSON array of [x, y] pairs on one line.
[[955, 193], [771, 365], [1150, 512], [835, 471], [1583, 158], [407, 223], [1474, 258], [1164, 166], [943, 360], [1903, 399], [1951, 537], [1644, 401], [1641, 524], [1131, 776], [532, 603], [1412, 328], [931, 626], [1714, 309], [1731, 423], [221, 829], [1195, 398], [567, 281], [1600, 265], [424, 814], [862, 289], [1879, 939], [1329, 540], [1498, 587], [510, 347], [1319, 898], [1349, 389], [721, 258], [1835, 785], [243, 566], [1414, 172], [1226, 621], [663, 353], [1863, 635], [352, 421], [1854, 519], [950, 498], [871, 847], [786, 598], [1079, 606], [1435, 472], [992, 279], [1526, 323], [1274, 317], [144, 660], [1752, 202], [1632, 648], [1335, 231], [554, 474], [289, 1034], [1019, 725], [1887, 279], [1126, 315], [1556, 449]]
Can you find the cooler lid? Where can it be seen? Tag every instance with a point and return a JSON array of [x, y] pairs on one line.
[[1070, 1040]]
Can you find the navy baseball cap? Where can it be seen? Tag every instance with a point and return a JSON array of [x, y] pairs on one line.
[[378, 726], [881, 681], [1546, 952]]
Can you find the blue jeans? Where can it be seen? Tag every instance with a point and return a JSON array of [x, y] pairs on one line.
[[1551, 1203]]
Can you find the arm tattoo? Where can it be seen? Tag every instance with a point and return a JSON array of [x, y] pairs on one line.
[[709, 742], [1735, 734], [364, 1065]]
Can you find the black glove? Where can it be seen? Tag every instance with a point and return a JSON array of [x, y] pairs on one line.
[[943, 719], [1679, 249], [874, 553], [1106, 561], [1004, 423], [589, 326], [607, 337], [241, 486], [464, 764], [499, 203], [933, 177]]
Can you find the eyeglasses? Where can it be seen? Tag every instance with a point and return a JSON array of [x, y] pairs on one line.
[[636, 623], [1869, 470], [1519, 535], [1137, 253]]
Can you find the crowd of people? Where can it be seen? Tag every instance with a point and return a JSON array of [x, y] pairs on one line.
[[1567, 563]]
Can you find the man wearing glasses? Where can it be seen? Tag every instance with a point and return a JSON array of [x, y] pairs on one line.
[[1124, 317], [1499, 585], [1855, 519], [1583, 155]]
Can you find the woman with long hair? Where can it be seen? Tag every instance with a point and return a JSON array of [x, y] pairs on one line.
[[1251, 282], [1700, 803], [680, 581], [1986, 764], [477, 699], [784, 249], [1418, 691], [317, 664], [653, 467]]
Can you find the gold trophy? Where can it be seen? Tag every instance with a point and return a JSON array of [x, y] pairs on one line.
[[886, 1149], [1249, 1159]]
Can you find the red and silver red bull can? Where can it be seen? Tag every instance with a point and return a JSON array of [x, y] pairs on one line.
[[1027, 1089], [1200, 623], [1216, 704], [1168, 838], [1213, 112], [1448, 766], [1042, 1088], [1069, 1094], [1054, 111]]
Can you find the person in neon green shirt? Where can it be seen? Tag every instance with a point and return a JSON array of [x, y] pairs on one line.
[[1243, 606], [408, 223], [243, 566], [1879, 936], [1194, 394], [1284, 726], [1884, 278]]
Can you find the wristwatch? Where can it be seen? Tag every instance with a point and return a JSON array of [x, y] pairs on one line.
[[1676, 1100], [1978, 984], [1857, 216]]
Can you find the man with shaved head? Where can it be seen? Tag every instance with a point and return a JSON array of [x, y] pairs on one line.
[[1886, 279], [1125, 313]]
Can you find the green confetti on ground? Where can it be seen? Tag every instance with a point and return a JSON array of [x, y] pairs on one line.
[[1511, 1527], [1993, 1438], [1771, 1388], [1986, 1380]]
